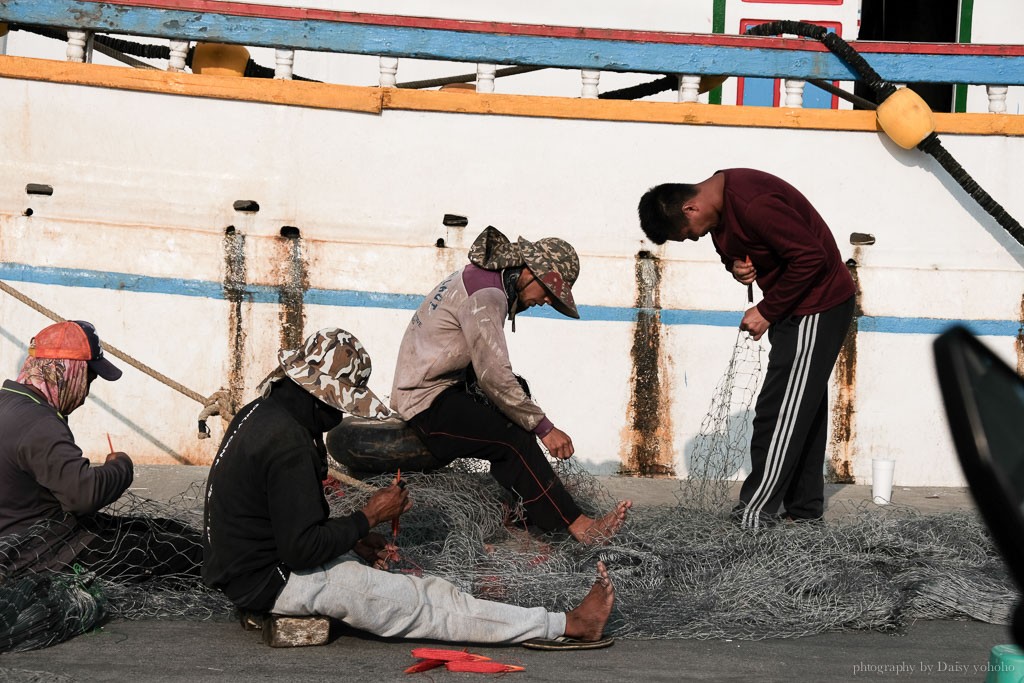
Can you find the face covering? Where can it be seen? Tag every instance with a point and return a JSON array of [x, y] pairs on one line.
[[64, 383]]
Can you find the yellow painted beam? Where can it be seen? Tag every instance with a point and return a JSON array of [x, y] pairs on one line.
[[684, 112], [624, 110], [293, 93], [375, 100]]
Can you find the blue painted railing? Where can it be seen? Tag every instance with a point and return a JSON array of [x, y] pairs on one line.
[[447, 40]]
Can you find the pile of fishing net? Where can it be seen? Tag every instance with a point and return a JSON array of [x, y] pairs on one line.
[[681, 571], [46, 596], [686, 570], [689, 572]]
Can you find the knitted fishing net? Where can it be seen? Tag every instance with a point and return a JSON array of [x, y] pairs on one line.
[[682, 570], [686, 570], [138, 559]]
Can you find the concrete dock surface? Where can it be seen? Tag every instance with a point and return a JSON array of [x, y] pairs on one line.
[[154, 650]]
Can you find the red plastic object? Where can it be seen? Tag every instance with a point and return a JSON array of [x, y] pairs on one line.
[[487, 667], [448, 655], [424, 665]]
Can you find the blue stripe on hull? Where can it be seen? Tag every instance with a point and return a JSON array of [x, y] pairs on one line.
[[266, 294]]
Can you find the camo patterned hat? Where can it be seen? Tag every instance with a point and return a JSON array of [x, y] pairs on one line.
[[333, 366], [552, 260]]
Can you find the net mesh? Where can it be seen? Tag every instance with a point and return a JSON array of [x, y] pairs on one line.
[[138, 559], [682, 570]]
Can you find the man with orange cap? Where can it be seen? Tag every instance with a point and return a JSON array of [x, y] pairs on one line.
[[49, 488]]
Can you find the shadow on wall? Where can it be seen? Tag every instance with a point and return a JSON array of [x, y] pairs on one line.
[[138, 429], [22, 347]]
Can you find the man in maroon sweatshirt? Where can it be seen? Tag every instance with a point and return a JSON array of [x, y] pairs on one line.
[[766, 231]]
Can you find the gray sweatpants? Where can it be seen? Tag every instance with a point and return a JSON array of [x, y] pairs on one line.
[[398, 605]]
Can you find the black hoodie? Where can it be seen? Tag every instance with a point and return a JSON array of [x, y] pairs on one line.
[[265, 512]]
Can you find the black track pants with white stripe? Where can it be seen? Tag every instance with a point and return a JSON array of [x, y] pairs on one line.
[[457, 426], [787, 449]]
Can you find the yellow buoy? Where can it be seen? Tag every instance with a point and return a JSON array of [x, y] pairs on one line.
[[216, 59], [905, 118], [710, 83]]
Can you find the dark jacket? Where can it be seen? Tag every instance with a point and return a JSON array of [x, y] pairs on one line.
[[799, 268], [265, 512], [43, 474]]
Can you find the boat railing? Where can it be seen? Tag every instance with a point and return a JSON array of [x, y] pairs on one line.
[[691, 60]]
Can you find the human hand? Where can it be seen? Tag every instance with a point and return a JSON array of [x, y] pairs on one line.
[[743, 271], [114, 455], [754, 323], [558, 444], [387, 504], [374, 549]]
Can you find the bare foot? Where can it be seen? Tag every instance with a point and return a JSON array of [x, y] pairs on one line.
[[587, 621], [590, 531]]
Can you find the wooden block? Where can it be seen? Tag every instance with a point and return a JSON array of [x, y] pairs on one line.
[[279, 631]]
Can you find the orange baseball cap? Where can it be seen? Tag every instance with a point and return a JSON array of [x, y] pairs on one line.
[[74, 340]]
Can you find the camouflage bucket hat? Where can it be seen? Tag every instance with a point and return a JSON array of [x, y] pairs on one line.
[[333, 366], [491, 250], [555, 264], [552, 260]]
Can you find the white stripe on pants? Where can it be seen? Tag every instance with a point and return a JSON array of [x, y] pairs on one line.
[[791, 403], [399, 605]]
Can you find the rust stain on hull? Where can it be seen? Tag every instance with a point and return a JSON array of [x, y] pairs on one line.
[[649, 435], [235, 292], [291, 293], [840, 462]]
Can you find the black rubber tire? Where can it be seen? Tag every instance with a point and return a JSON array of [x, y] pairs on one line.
[[375, 447]]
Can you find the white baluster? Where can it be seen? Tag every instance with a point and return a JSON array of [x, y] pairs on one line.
[[689, 88], [996, 98], [388, 72], [179, 52], [590, 80], [3, 44], [485, 77], [794, 93], [285, 60], [79, 46]]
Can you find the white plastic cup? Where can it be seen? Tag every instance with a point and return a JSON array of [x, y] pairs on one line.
[[881, 480]]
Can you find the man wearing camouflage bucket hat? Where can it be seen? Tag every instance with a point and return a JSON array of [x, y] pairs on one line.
[[456, 342], [270, 545]]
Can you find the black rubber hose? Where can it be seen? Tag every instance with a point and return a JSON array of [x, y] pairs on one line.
[[930, 145], [135, 49], [836, 45], [635, 92]]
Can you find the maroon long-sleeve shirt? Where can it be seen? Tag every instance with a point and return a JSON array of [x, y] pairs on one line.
[[799, 268]]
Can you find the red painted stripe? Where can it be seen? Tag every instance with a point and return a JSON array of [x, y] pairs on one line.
[[242, 9]]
